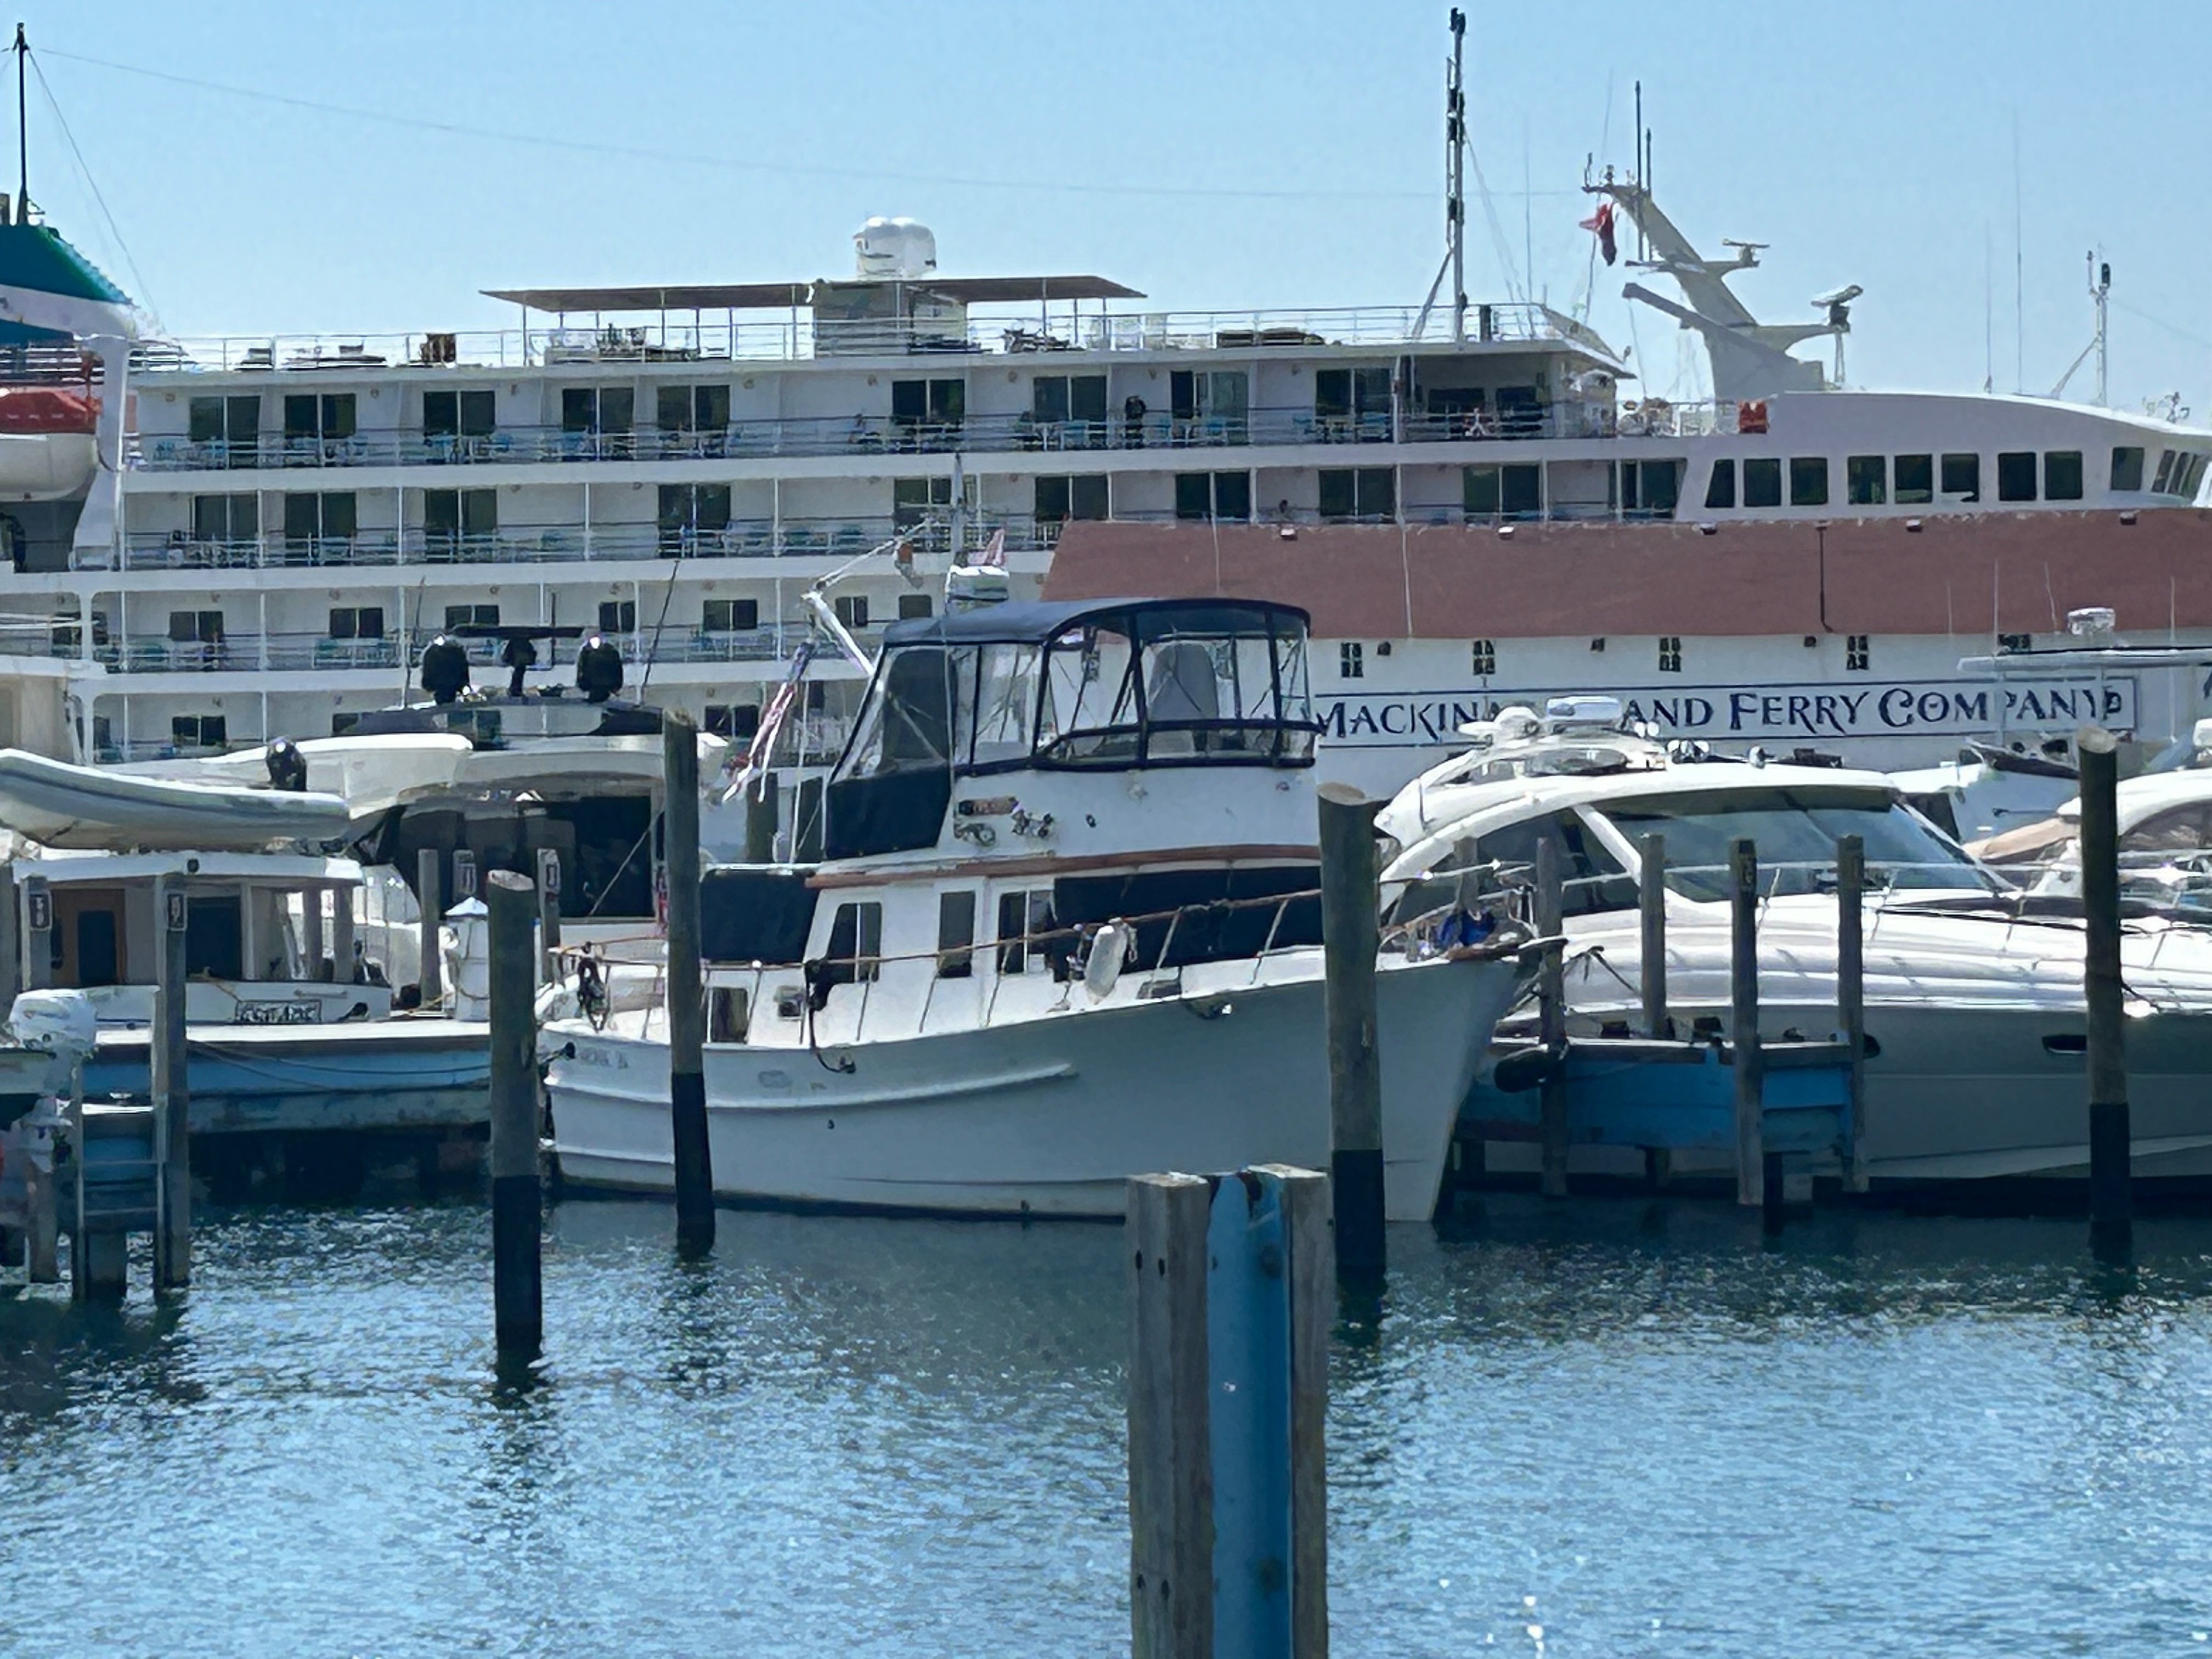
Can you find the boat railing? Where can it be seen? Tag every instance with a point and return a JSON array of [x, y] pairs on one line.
[[676, 337]]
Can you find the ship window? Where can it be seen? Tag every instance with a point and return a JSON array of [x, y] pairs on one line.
[[916, 607], [1005, 703], [471, 616], [1670, 653], [233, 422], [1762, 482], [1082, 496], [203, 627], [2127, 466], [929, 403], [856, 943], [2189, 475], [1866, 481], [2180, 829], [199, 730], [1855, 653], [852, 609], [1962, 476], [692, 408], [1648, 489], [690, 511], [2165, 471], [1915, 477], [609, 409], [1592, 880], [457, 414], [329, 416], [327, 517], [1809, 481], [738, 721], [2016, 475], [225, 517], [617, 616], [357, 621], [1720, 488], [955, 934], [451, 517], [2061, 475], [1361, 493], [1022, 916], [1479, 491], [1514, 492], [1069, 409], [1350, 664], [727, 616], [1795, 830], [1485, 661], [1219, 495]]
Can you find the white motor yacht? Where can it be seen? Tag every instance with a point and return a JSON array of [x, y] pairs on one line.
[[1975, 1015], [1067, 930]]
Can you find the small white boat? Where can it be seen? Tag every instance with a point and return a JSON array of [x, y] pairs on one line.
[[1067, 933], [1975, 1012], [91, 808]]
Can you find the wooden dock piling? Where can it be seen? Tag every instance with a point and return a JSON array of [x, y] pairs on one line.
[[312, 946], [342, 935], [2110, 1220], [1170, 1453], [1751, 1173], [171, 1091], [1651, 907], [429, 887], [549, 915], [11, 940], [37, 934], [1851, 994], [518, 1294], [1351, 938], [687, 1003], [1552, 1016], [761, 808]]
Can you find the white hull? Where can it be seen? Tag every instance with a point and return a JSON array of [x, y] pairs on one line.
[[1048, 1116]]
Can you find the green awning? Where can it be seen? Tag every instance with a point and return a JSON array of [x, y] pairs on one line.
[[36, 258]]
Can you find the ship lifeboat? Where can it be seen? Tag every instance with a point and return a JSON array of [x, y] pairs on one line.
[[48, 445]]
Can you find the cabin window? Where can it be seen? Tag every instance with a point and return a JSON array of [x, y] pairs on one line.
[[471, 616], [1670, 653], [1005, 703], [201, 627], [2164, 472], [1720, 488], [357, 621], [451, 518], [457, 414], [2189, 474], [214, 938], [1762, 482], [235, 423], [1217, 496], [736, 721], [225, 517], [856, 945], [617, 616], [1479, 491], [199, 730], [1866, 480], [2016, 475], [330, 516], [1210, 406], [729, 616], [1355, 493], [1351, 660], [689, 511], [1081, 496], [955, 934], [941, 403], [1962, 476], [2061, 475], [692, 409], [1855, 654], [852, 609], [1648, 489], [1593, 879], [1915, 477], [1513, 492], [2180, 829], [916, 607], [1360, 395], [1485, 662], [308, 416], [1023, 918], [1809, 481], [1070, 409], [599, 409], [2127, 466]]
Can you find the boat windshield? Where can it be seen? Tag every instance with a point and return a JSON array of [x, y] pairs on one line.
[[1795, 830]]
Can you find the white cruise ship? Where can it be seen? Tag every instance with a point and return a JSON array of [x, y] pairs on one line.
[[1474, 503]]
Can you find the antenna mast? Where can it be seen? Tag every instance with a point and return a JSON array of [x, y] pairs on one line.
[[2100, 287], [1455, 173], [22, 132]]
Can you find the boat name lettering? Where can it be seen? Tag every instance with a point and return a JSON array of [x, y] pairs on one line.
[[279, 1013], [1922, 707]]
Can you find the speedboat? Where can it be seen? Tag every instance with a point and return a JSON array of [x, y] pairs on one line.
[[1065, 930], [1975, 1014]]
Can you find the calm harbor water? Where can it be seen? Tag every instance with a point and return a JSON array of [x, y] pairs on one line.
[[1618, 1428]]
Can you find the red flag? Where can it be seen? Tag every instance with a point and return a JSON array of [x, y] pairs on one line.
[[1601, 222]]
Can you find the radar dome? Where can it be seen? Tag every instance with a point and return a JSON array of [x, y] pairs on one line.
[[894, 250]]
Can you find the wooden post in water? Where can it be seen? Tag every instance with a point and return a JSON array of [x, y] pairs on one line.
[[37, 934], [342, 933], [687, 1002], [761, 808], [2110, 1220], [429, 884], [11, 940], [1552, 1015], [42, 1194], [311, 916], [1651, 904], [1851, 993], [1170, 1451], [173, 1097], [1751, 1170], [1351, 940], [518, 1291], [549, 915]]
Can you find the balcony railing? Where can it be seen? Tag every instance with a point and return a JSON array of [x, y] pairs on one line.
[[688, 336], [687, 642]]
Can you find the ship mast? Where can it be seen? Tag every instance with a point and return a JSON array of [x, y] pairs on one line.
[[1455, 191], [22, 132]]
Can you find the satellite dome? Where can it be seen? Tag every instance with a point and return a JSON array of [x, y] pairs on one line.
[[894, 250]]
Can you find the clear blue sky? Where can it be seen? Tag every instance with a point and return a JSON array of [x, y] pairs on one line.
[[1274, 153]]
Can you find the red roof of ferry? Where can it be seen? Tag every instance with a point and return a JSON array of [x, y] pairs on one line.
[[1549, 580]]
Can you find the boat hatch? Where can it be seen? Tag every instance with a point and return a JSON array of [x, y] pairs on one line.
[[1108, 685]]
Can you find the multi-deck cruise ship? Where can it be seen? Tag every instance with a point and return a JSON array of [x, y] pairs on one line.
[[1474, 501]]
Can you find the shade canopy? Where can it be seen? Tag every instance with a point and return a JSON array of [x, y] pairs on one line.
[[782, 296]]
